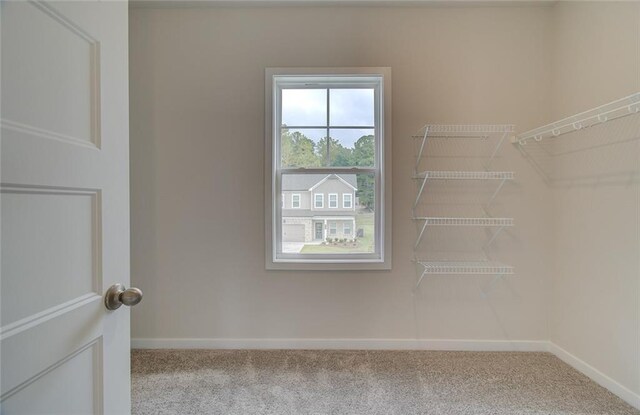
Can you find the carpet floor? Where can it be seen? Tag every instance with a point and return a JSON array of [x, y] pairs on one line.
[[295, 382]]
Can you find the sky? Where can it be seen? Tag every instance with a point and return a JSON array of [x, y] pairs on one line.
[[348, 107]]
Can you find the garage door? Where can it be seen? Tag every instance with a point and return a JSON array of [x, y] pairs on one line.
[[293, 233]]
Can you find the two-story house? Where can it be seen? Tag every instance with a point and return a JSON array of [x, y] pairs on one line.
[[318, 206]]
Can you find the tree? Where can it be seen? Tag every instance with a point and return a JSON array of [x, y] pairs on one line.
[[364, 151], [339, 156], [298, 150], [364, 155]]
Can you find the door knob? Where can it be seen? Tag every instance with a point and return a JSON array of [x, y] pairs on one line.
[[117, 295]]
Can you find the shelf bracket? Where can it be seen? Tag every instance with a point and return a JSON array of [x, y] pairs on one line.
[[494, 281], [424, 227], [424, 182], [495, 150], [424, 272], [493, 238], [424, 141], [496, 193]]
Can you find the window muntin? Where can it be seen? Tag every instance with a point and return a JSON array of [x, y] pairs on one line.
[[333, 228], [295, 201], [333, 200], [318, 200], [346, 229], [330, 159], [347, 201]]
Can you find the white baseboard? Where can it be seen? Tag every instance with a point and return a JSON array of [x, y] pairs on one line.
[[344, 344], [594, 374]]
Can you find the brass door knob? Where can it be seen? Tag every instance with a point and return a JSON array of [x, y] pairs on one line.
[[117, 295]]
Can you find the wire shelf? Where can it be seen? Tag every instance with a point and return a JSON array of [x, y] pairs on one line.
[[465, 175], [463, 131], [441, 221], [623, 107], [466, 268], [483, 132]]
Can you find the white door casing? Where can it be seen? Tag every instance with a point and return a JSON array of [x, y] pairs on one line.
[[64, 207]]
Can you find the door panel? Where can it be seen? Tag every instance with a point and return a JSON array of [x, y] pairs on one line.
[[60, 229], [75, 383], [64, 207], [50, 48]]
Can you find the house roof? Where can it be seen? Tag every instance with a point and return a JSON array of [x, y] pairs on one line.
[[307, 181]]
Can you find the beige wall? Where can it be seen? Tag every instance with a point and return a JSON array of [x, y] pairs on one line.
[[197, 121], [596, 287]]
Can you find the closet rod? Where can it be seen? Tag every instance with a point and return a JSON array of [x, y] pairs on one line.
[[616, 109]]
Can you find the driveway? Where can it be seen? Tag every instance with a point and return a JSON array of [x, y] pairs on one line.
[[292, 247]]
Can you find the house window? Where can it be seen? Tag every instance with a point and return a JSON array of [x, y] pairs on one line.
[[333, 200], [295, 201], [328, 132], [347, 201]]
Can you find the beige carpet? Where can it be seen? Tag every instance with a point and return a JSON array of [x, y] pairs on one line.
[[362, 382]]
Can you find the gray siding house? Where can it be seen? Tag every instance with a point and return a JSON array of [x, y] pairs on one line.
[[318, 206]]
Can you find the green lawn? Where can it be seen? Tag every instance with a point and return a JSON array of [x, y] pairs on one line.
[[364, 220]]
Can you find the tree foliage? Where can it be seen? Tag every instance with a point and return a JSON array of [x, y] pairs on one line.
[[298, 150]]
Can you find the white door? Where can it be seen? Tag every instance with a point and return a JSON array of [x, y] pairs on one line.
[[65, 207]]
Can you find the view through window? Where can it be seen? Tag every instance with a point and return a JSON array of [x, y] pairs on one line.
[[328, 144]]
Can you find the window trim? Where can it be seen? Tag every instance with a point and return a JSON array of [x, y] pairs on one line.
[[332, 230], [350, 200], [344, 226], [382, 171], [315, 204]]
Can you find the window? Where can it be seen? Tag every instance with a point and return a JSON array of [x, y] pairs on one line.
[[333, 200], [295, 201], [347, 202], [328, 132]]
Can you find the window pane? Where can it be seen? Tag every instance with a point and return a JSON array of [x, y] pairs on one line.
[[329, 230], [351, 107], [304, 107], [351, 147], [304, 147]]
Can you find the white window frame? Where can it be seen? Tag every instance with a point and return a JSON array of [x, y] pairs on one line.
[[293, 196], [315, 204], [333, 227], [344, 199], [380, 80], [344, 226], [329, 202]]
